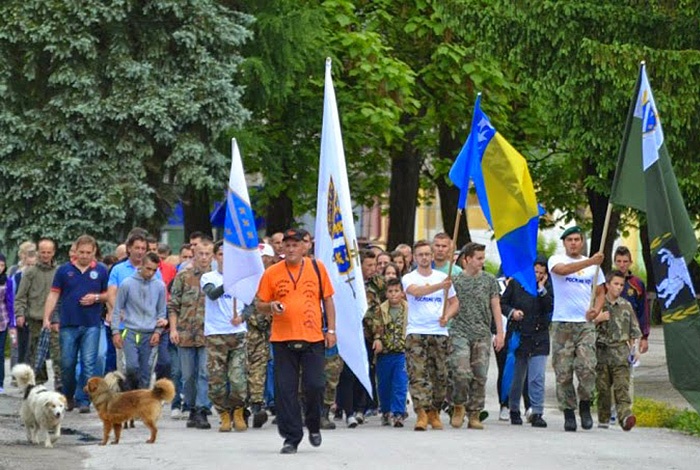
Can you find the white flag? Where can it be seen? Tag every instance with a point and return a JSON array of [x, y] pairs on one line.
[[243, 265], [336, 243]]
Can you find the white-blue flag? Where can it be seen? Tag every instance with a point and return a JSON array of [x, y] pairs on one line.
[[335, 240], [243, 266]]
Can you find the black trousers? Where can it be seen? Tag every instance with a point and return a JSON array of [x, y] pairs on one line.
[[288, 364]]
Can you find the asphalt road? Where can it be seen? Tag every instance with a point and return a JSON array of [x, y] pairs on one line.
[[370, 446]]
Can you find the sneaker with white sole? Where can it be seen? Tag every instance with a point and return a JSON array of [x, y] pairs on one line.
[[504, 415], [175, 413], [528, 415], [352, 422]]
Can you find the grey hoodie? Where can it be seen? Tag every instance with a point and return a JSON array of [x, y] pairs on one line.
[[139, 304]]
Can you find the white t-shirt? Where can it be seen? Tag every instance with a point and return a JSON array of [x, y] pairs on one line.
[[572, 293], [424, 312], [218, 313]]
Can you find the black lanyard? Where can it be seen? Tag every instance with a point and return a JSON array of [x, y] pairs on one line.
[[301, 271]]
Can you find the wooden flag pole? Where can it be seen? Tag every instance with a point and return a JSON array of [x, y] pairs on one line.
[[455, 233], [603, 239]]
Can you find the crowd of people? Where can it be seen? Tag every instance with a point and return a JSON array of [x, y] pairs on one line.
[[434, 316]]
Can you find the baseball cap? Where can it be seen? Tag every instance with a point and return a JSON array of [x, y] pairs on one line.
[[266, 250], [293, 234]]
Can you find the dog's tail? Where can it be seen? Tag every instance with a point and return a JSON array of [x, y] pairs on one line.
[[116, 381], [163, 390], [24, 375]]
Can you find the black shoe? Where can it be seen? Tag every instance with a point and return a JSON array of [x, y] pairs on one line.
[[569, 420], [338, 415], [515, 418], [259, 416], [538, 422], [288, 449], [584, 409], [192, 419], [202, 422], [315, 439]]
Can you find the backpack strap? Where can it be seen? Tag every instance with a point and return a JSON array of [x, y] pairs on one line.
[[320, 293]]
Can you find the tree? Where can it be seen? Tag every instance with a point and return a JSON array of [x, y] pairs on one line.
[[109, 111]]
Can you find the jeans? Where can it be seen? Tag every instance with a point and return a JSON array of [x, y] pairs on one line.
[[270, 381], [83, 341], [3, 338], [288, 363], [533, 368], [111, 355], [195, 377], [176, 372], [392, 382], [137, 353], [163, 366]]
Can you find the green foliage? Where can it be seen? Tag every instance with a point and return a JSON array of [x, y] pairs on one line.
[[652, 413], [109, 108], [546, 247]]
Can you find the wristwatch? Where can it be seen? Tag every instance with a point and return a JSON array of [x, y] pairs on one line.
[[331, 332]]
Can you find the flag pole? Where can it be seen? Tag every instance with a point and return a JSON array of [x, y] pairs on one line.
[[455, 233], [603, 239]]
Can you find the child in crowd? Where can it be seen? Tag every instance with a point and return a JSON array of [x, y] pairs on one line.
[[617, 329], [389, 328]]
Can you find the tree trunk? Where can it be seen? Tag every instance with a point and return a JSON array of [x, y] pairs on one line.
[[448, 148], [279, 215], [599, 206], [195, 208], [403, 194]]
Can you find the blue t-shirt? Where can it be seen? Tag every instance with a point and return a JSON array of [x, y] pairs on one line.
[[72, 285], [124, 270]]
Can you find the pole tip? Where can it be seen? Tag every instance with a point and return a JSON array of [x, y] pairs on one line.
[[328, 61]]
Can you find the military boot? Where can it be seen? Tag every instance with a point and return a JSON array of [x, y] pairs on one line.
[[474, 421], [325, 422], [239, 422], [434, 419], [569, 420], [259, 415], [225, 422], [458, 414], [421, 420], [201, 418], [584, 409], [192, 419]]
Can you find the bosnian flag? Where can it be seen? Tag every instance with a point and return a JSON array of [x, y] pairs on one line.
[[336, 243], [243, 265]]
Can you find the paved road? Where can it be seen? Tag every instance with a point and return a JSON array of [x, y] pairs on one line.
[[371, 446]]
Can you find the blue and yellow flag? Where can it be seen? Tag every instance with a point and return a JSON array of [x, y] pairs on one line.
[[506, 195]]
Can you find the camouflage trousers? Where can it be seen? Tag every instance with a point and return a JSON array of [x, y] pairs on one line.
[[426, 362], [613, 378], [226, 361], [573, 350], [258, 352], [469, 366], [42, 375], [332, 369]]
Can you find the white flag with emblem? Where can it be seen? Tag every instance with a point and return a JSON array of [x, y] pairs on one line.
[[336, 243]]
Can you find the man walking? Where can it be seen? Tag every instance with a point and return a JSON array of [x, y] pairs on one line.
[[81, 287], [573, 334], [186, 316], [292, 291], [427, 340]]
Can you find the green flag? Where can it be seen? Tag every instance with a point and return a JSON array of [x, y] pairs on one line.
[[644, 180]]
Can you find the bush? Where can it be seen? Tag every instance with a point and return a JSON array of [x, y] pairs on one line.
[[655, 414]]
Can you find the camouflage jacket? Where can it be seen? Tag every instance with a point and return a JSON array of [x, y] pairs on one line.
[[187, 304], [375, 290], [256, 320], [390, 331], [614, 334]]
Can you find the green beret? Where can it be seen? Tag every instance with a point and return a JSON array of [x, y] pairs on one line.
[[569, 231]]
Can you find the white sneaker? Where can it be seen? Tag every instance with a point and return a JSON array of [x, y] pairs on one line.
[[360, 417], [2, 390], [504, 415], [175, 413], [352, 422], [528, 415]]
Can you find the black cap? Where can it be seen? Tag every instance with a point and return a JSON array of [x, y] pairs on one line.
[[293, 234], [569, 231]]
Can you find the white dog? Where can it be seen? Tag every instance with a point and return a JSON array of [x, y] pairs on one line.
[[42, 409]]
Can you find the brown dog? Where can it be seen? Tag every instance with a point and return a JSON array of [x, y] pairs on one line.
[[114, 408]]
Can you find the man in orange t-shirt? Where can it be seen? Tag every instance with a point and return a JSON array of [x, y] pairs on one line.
[[290, 292]]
